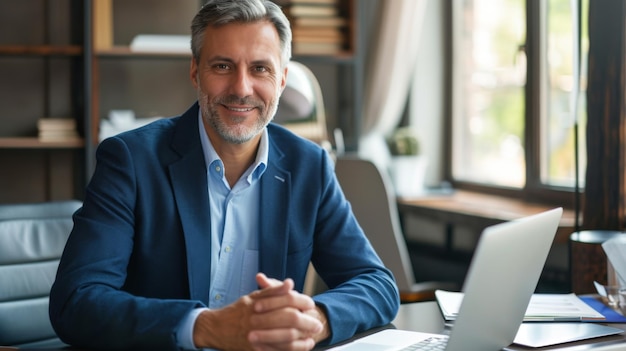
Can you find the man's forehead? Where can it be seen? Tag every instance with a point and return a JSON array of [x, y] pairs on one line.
[[257, 41]]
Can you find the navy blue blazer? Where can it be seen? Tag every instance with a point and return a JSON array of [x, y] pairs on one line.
[[138, 258]]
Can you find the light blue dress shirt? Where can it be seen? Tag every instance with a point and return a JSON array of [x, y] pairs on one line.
[[234, 240]]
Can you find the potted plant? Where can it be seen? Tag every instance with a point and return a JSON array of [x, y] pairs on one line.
[[408, 167], [404, 142]]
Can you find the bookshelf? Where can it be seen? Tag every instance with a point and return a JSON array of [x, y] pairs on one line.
[[150, 84], [42, 65], [116, 23], [320, 27], [327, 37], [75, 59]]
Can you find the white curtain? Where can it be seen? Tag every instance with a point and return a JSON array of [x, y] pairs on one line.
[[389, 71]]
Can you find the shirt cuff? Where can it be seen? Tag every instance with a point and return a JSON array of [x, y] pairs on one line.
[[184, 334]]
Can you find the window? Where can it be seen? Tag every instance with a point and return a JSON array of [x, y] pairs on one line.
[[514, 83], [558, 78]]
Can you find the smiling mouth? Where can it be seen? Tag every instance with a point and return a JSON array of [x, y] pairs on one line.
[[239, 109]]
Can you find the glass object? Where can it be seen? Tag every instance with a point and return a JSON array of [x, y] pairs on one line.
[[615, 296]]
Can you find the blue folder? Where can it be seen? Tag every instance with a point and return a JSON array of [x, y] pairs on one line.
[[611, 315]]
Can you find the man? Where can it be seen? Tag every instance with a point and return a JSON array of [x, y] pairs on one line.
[[181, 215]]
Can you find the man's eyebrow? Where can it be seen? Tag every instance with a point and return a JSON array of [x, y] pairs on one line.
[[219, 58], [259, 62], [262, 62]]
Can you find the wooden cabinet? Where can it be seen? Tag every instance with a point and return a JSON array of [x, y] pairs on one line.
[[73, 59]]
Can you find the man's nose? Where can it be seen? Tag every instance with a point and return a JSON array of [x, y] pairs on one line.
[[242, 84]]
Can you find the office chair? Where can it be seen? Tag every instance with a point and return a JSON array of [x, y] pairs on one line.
[[32, 239], [373, 202]]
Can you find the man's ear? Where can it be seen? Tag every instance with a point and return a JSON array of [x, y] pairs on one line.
[[193, 73], [283, 82]]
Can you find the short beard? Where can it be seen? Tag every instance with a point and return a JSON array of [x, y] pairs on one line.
[[240, 133]]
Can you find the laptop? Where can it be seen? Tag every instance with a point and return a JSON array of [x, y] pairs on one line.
[[501, 279]]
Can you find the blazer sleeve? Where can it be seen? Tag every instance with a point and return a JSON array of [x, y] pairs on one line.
[[90, 306], [362, 291]]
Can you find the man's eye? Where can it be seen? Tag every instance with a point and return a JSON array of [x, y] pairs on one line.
[[260, 69], [221, 66]]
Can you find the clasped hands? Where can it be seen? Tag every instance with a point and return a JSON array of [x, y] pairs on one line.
[[275, 317]]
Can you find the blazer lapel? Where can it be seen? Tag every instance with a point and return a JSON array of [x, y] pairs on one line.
[[188, 177], [275, 184]]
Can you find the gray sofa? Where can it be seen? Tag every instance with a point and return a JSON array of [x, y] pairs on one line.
[[32, 238]]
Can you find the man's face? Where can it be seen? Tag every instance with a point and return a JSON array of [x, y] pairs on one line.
[[239, 79]]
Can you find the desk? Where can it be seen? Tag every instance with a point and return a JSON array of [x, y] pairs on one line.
[[426, 317], [442, 230], [477, 210]]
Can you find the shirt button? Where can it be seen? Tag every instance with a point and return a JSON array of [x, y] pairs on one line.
[[227, 249], [218, 168], [218, 297]]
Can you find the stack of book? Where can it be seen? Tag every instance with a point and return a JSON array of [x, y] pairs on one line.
[[318, 26], [57, 129]]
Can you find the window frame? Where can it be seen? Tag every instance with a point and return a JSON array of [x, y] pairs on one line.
[[533, 190]]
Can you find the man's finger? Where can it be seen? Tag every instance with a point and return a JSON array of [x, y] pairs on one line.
[[264, 282], [271, 287], [291, 299]]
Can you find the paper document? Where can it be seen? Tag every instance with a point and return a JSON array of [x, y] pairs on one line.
[[542, 307]]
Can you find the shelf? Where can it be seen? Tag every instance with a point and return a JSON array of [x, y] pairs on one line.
[[341, 57], [44, 56], [41, 50], [36, 143], [125, 51]]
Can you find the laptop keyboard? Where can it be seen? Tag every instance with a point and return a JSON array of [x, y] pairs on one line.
[[433, 343]]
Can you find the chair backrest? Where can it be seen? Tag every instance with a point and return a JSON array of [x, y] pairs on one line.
[[373, 202], [32, 239]]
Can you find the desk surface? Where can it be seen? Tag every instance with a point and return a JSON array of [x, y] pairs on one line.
[[480, 205], [476, 209], [426, 317]]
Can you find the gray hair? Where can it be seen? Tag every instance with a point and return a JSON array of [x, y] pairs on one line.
[[216, 13]]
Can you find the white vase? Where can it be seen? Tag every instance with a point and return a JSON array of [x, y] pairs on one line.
[[407, 174]]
